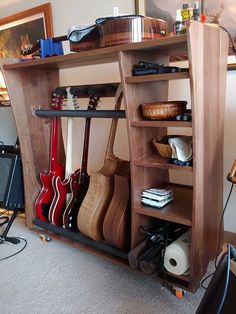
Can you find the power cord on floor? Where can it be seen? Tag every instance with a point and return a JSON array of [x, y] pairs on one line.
[[3, 220], [4, 217], [218, 245], [25, 244]]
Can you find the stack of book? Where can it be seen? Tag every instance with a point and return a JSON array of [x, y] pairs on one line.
[[156, 197]]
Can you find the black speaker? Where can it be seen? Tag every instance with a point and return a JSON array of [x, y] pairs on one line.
[[11, 182], [217, 289]]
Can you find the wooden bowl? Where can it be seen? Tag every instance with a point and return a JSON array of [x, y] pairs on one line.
[[162, 146], [165, 110]]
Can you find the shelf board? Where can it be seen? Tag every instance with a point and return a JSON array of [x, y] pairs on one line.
[[180, 277], [81, 113], [156, 161], [157, 77], [162, 124], [179, 210], [166, 45]]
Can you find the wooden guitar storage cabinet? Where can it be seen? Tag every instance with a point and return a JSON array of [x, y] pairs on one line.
[[198, 206]]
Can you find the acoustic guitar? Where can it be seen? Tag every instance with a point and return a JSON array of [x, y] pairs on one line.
[[45, 197], [116, 225], [79, 186], [101, 187], [61, 186]]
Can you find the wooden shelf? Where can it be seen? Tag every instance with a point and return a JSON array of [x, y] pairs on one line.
[[179, 210], [161, 124], [180, 277], [157, 77], [156, 161], [166, 45]]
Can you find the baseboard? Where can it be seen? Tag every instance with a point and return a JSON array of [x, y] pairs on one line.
[[229, 237]]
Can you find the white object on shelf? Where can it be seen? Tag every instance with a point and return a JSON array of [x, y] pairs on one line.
[[177, 255]]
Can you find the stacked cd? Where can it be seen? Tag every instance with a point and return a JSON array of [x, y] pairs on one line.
[[156, 197]]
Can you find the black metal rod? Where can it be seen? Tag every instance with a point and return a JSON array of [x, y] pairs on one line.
[[81, 113], [3, 237], [78, 237], [13, 216]]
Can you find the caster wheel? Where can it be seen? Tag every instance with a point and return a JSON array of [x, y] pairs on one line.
[[45, 238], [179, 293]]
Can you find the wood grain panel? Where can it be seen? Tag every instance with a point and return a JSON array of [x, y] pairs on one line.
[[28, 89], [208, 50], [163, 46]]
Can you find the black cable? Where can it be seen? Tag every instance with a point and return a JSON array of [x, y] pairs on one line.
[[218, 245], [221, 222], [19, 238], [5, 220], [202, 283], [3, 213], [232, 42], [226, 282]]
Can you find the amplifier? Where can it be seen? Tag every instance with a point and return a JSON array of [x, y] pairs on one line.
[[11, 182]]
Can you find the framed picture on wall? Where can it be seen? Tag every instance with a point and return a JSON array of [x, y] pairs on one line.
[[217, 11], [24, 28]]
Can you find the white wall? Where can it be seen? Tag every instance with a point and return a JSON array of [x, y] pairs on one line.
[[72, 12]]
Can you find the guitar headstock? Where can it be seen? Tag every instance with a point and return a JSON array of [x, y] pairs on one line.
[[94, 99], [72, 98], [58, 97]]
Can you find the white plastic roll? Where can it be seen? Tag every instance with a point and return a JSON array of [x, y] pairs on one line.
[[177, 255]]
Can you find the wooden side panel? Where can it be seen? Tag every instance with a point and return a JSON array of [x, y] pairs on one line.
[[208, 50], [29, 89]]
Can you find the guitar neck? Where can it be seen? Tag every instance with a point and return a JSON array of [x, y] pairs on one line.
[[85, 147], [54, 140], [110, 144], [69, 147]]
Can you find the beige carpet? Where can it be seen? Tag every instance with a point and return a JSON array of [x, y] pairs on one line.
[[59, 278]]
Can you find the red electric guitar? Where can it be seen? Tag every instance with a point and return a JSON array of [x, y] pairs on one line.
[[61, 186], [45, 197], [79, 187]]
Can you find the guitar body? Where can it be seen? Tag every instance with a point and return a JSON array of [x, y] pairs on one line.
[[101, 187], [45, 197], [95, 204], [119, 30], [79, 186], [61, 190], [127, 29], [117, 220], [79, 190], [43, 201]]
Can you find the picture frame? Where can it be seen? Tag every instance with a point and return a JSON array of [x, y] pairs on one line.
[[24, 28]]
